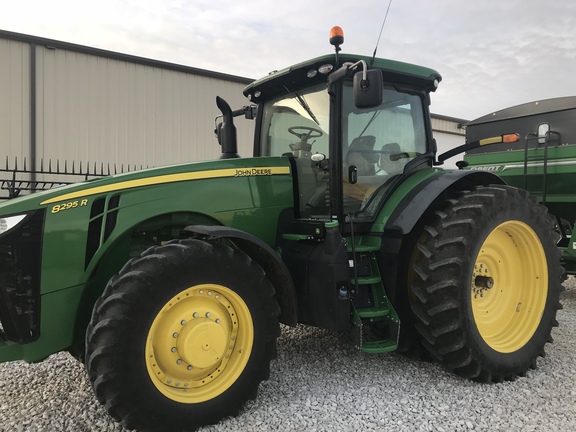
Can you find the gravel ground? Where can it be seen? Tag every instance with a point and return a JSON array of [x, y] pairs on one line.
[[321, 383]]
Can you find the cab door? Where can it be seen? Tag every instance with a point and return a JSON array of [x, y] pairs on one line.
[[378, 144], [296, 125]]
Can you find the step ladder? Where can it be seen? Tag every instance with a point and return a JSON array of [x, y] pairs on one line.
[[376, 323]]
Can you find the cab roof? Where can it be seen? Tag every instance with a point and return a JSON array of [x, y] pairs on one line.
[[306, 74]]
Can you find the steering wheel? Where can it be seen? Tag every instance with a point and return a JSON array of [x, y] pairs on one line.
[[304, 133]]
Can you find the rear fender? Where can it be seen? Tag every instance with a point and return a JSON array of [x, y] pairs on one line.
[[405, 224], [420, 201]]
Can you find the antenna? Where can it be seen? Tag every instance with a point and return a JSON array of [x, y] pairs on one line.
[[380, 35]]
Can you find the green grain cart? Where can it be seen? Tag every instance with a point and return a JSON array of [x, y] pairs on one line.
[[543, 161], [170, 283]]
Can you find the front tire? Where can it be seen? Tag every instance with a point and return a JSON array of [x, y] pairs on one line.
[[182, 336], [488, 282]]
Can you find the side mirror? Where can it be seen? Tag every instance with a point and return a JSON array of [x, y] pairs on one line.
[[368, 88]]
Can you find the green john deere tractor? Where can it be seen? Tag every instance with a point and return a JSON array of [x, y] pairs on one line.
[[170, 283]]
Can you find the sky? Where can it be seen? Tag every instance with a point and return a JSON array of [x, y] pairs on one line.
[[492, 54]]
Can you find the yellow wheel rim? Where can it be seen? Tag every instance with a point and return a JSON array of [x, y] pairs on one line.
[[199, 343], [509, 286]]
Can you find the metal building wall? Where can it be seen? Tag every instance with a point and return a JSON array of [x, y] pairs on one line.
[[62, 102], [14, 100], [448, 133], [448, 125], [101, 109]]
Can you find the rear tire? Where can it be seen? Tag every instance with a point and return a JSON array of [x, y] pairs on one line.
[[182, 336], [488, 283]]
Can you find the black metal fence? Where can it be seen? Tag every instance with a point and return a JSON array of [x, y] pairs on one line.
[[19, 178]]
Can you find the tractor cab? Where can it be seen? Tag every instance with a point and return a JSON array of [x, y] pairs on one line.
[[350, 130], [345, 174]]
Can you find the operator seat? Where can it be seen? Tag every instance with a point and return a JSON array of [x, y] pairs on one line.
[[392, 159], [361, 154]]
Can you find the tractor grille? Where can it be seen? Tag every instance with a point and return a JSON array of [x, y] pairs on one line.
[[20, 260]]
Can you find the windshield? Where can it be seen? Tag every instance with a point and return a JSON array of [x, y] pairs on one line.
[[295, 122], [297, 125]]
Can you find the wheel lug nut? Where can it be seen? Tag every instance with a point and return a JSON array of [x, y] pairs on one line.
[[201, 291], [217, 320], [183, 322], [175, 335], [195, 314], [179, 361], [209, 292], [189, 368], [207, 314], [173, 349]]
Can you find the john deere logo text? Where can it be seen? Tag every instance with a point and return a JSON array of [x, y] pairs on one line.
[[253, 172]]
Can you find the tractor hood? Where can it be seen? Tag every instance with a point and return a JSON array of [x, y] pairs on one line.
[[149, 178]]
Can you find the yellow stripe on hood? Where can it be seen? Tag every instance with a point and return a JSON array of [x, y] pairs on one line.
[[171, 178]]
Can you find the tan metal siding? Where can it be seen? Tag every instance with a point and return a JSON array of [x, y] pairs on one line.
[[447, 126], [14, 100], [447, 141], [105, 110]]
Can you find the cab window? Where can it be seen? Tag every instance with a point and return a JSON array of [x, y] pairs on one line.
[[377, 145], [296, 117], [297, 125]]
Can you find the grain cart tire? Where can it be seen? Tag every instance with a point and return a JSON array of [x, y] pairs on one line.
[[182, 336], [488, 283]]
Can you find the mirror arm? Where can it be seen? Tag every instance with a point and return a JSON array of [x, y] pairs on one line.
[[342, 72], [365, 68]]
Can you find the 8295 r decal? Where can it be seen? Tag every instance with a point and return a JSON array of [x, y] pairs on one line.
[[69, 205]]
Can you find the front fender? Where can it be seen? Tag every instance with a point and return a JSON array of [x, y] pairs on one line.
[[266, 257]]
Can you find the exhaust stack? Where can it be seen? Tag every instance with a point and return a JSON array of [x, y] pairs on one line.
[[227, 131]]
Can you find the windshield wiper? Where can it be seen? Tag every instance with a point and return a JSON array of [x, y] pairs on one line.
[[376, 114], [304, 105]]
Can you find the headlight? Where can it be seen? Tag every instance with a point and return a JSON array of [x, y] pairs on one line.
[[9, 222]]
